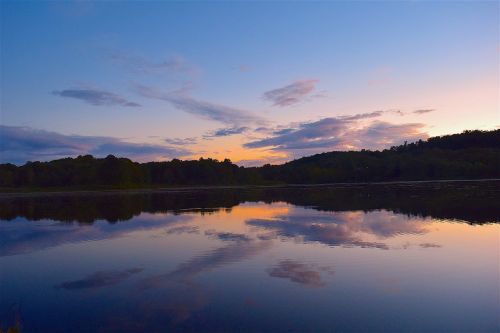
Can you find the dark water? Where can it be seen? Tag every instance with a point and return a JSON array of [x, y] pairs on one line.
[[408, 257]]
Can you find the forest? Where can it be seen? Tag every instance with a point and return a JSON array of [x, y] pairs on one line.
[[468, 155]]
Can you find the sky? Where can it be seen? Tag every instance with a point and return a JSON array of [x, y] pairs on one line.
[[255, 82]]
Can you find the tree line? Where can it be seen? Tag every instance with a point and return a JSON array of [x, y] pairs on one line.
[[468, 155]]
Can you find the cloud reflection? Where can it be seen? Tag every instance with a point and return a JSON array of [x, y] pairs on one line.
[[298, 272], [208, 261], [227, 236], [175, 296], [346, 229], [20, 236], [99, 279]]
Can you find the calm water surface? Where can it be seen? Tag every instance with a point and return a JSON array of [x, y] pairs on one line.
[[419, 258]]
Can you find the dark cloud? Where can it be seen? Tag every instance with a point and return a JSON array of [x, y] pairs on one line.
[[206, 110], [340, 133], [21, 144], [422, 111], [228, 236], [96, 97], [324, 133], [99, 279], [297, 272], [291, 94], [226, 131]]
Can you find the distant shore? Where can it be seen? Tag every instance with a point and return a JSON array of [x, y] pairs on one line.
[[23, 192]]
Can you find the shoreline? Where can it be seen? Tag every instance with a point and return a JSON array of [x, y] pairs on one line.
[[48, 192]]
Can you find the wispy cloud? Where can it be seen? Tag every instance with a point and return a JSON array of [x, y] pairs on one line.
[[367, 115], [206, 110], [423, 111], [181, 141], [170, 65], [379, 113], [21, 144], [96, 97], [226, 131], [291, 94]]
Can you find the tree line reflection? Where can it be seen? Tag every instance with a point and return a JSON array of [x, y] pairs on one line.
[[473, 202]]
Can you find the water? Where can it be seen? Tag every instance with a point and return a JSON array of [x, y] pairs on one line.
[[407, 257]]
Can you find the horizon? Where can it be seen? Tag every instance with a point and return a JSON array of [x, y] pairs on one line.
[[255, 83], [247, 166]]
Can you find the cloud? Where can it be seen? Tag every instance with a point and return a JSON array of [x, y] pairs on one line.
[[297, 272], [96, 97], [226, 131], [99, 279], [306, 135], [206, 110], [21, 144], [340, 133], [422, 111], [291, 94]]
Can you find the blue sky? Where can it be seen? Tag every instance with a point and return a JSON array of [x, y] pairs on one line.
[[228, 79]]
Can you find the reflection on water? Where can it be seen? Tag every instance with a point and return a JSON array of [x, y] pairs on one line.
[[363, 258]]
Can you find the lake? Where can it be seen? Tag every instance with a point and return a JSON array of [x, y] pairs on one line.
[[410, 257]]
